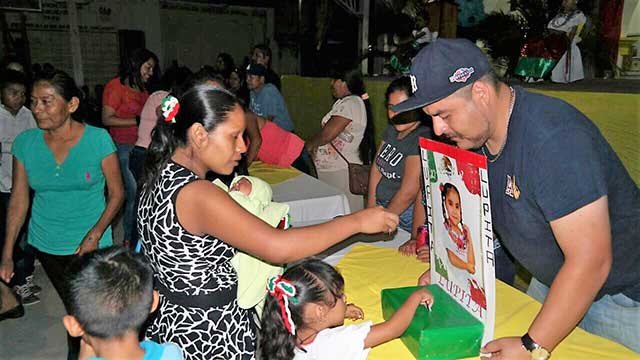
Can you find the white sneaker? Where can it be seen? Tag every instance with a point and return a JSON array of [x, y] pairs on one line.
[[25, 294], [35, 289]]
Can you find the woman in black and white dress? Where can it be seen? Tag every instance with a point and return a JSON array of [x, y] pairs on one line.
[[190, 229]]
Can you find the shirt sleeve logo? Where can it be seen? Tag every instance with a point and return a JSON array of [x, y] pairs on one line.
[[461, 75]]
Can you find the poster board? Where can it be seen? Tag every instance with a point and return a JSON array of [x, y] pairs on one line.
[[460, 232]]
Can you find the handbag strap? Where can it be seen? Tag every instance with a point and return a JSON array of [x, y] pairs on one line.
[[339, 153]]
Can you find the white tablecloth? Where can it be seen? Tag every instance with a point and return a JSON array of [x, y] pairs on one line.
[[310, 200], [393, 241], [333, 254]]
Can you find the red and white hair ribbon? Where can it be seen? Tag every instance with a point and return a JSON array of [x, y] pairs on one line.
[[284, 291]]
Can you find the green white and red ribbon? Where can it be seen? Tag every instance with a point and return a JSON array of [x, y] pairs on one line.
[[284, 291], [169, 108]]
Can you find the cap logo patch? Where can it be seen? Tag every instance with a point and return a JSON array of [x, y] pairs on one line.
[[414, 83], [461, 75]]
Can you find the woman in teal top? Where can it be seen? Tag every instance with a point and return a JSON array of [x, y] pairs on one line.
[[66, 163]]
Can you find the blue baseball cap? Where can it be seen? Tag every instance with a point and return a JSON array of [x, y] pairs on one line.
[[440, 69], [256, 69]]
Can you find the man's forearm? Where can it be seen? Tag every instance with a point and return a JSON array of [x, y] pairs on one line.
[[569, 298]]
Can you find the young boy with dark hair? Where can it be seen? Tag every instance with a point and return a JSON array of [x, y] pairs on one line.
[[111, 296], [15, 118]]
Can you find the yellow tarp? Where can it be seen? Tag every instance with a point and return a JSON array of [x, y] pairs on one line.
[[271, 173], [368, 269]]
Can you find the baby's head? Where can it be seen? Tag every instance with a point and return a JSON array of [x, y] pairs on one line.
[[312, 292], [253, 187], [243, 185], [111, 294]]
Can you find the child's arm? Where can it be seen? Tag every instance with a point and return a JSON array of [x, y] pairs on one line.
[[353, 312], [399, 321], [457, 262], [471, 257]]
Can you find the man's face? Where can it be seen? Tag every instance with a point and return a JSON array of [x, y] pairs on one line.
[[458, 118], [13, 97], [255, 82]]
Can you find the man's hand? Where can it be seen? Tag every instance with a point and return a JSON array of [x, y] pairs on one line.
[[353, 312], [507, 348]]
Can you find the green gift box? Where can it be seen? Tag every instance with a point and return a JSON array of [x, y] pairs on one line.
[[448, 331]]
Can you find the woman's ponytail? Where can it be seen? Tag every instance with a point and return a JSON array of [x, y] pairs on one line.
[[159, 151]]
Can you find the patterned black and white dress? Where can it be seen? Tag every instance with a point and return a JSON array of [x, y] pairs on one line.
[[192, 266]]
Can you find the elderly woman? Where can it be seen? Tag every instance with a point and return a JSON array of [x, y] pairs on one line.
[[348, 130], [67, 164]]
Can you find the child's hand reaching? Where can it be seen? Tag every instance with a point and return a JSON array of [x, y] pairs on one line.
[[400, 320], [424, 296], [353, 312]]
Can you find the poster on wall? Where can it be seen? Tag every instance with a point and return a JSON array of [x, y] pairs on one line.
[[460, 231], [21, 5]]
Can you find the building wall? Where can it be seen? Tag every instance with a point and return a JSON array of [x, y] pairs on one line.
[[192, 33], [630, 18], [496, 5]]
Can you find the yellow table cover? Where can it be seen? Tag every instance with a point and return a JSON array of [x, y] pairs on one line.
[[369, 269], [271, 173]]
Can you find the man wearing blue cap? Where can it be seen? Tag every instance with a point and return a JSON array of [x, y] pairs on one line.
[[562, 202], [266, 100]]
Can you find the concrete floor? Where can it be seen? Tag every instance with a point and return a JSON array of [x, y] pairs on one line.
[[39, 334]]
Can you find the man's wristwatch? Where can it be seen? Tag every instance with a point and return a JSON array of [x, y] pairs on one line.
[[537, 351]]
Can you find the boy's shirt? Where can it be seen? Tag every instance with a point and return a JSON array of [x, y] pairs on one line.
[[10, 127], [155, 351]]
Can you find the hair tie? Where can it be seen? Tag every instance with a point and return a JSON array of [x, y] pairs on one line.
[[169, 107], [284, 291], [365, 96]]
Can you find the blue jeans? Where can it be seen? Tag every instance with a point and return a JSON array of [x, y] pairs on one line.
[[615, 317], [130, 186], [406, 218]]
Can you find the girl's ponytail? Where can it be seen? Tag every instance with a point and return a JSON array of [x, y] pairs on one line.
[[313, 281], [275, 341]]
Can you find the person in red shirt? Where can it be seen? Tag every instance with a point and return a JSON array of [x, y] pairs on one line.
[[122, 102]]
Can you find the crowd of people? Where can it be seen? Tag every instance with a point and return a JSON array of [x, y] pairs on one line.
[[161, 140]]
